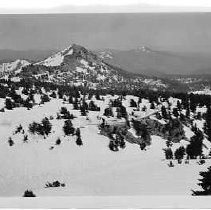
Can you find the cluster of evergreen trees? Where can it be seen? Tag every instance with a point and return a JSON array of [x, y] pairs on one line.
[[116, 140], [43, 128], [192, 151], [65, 114]]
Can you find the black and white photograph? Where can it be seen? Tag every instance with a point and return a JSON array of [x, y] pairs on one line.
[[105, 100]]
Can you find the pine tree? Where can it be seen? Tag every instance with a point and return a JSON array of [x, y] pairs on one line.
[[108, 112], [78, 132], [79, 141], [205, 183], [44, 98], [83, 111], [194, 149], [152, 105], [27, 103], [179, 106], [168, 153], [58, 141], [46, 126], [112, 146], [175, 112], [179, 153], [53, 94], [187, 114], [10, 141], [75, 104], [8, 104], [171, 164], [25, 138], [29, 193], [207, 124], [70, 100], [193, 106], [164, 112], [133, 103], [68, 128]]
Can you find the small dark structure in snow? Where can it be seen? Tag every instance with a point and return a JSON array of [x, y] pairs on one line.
[[54, 184], [29, 193]]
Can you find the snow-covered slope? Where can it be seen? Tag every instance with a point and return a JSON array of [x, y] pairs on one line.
[[14, 66], [206, 91], [58, 58], [91, 169]]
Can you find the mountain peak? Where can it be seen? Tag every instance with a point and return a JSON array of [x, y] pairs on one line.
[[73, 51]]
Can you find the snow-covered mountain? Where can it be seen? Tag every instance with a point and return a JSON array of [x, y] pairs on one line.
[[14, 66], [78, 65]]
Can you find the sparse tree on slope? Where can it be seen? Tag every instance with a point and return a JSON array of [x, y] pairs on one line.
[[68, 128]]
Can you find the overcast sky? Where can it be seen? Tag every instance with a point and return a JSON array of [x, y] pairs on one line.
[[166, 31]]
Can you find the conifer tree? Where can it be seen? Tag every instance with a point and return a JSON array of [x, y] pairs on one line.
[[205, 183], [58, 141], [179, 153], [133, 103], [46, 126], [68, 128], [10, 141], [175, 112], [168, 153], [8, 104], [79, 141], [194, 149], [164, 112], [207, 124]]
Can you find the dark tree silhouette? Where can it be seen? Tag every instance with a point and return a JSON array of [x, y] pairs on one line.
[[205, 183], [207, 124], [29, 193], [133, 103], [10, 141], [58, 141], [68, 128], [194, 149], [168, 153], [179, 153], [8, 104], [79, 141], [175, 112], [46, 125], [164, 112], [25, 138]]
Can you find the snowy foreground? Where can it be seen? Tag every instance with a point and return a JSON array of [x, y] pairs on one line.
[[91, 169]]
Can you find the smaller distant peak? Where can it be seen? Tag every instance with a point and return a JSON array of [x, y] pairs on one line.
[[145, 49]]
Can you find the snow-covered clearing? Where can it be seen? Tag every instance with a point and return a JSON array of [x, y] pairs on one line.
[[91, 169]]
